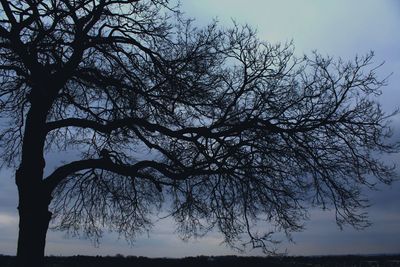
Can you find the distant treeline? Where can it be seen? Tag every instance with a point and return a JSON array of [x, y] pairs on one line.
[[235, 261]]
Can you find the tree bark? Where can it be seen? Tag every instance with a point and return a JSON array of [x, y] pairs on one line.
[[34, 197], [34, 221], [34, 216]]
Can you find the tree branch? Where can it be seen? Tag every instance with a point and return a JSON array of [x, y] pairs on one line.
[[188, 133], [106, 164], [8, 11]]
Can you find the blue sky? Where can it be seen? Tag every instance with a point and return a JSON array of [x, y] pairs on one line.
[[338, 28]]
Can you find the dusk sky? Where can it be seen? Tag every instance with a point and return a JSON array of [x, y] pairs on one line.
[[340, 28]]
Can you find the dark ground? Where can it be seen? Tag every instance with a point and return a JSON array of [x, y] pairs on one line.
[[235, 261]]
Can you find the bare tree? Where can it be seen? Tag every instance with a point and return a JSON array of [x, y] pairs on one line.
[[240, 131]]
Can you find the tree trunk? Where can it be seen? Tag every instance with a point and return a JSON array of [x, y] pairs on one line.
[[34, 199], [33, 226], [34, 218]]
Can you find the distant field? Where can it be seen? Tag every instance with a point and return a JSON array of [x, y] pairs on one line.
[[235, 261]]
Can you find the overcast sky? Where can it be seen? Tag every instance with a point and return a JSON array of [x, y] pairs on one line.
[[338, 28]]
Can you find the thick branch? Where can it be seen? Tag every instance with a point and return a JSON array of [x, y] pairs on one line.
[[106, 164], [8, 11], [188, 133], [103, 163]]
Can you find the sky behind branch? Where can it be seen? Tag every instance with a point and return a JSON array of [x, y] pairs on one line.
[[337, 28]]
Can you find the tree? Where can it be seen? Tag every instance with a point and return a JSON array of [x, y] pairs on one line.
[[240, 131]]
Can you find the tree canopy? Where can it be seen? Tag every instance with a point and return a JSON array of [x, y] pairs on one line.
[[240, 131]]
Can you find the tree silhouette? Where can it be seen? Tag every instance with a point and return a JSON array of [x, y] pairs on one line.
[[239, 131]]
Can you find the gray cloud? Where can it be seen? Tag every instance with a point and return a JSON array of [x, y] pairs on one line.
[[338, 28]]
